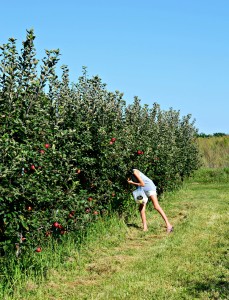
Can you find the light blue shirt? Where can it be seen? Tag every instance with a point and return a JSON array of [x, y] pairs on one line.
[[149, 185]]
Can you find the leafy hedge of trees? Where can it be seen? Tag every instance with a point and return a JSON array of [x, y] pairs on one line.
[[66, 147]]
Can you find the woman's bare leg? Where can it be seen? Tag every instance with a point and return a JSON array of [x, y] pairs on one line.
[[160, 210], [142, 210]]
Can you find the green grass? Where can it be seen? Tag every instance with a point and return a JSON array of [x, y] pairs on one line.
[[218, 175], [119, 261], [214, 151]]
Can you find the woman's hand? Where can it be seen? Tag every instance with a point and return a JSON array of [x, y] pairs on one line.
[[130, 181]]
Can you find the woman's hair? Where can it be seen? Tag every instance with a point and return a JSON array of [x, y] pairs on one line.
[[130, 173]]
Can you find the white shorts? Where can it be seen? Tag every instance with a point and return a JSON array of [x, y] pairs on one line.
[[151, 193]]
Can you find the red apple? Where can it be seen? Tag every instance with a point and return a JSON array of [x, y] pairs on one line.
[[32, 167], [111, 143], [71, 214], [56, 224], [47, 146], [42, 151], [29, 208], [113, 139], [90, 199], [139, 152], [95, 213], [38, 249]]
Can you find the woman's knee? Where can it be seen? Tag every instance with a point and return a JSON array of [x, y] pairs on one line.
[[155, 202], [157, 207]]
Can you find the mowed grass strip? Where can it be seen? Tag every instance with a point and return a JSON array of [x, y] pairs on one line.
[[119, 261]]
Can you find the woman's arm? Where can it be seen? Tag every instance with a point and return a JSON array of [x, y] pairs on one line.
[[137, 175]]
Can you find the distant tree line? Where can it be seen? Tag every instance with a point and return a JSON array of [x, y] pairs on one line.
[[217, 134]]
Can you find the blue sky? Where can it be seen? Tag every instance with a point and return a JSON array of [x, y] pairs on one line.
[[173, 52]]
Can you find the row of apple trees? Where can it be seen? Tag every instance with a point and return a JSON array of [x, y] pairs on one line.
[[65, 147]]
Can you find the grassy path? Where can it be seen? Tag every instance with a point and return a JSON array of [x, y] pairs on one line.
[[122, 262]]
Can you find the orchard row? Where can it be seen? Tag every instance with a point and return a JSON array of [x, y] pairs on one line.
[[66, 147]]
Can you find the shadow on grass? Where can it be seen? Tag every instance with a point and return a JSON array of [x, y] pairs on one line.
[[133, 225], [217, 289]]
